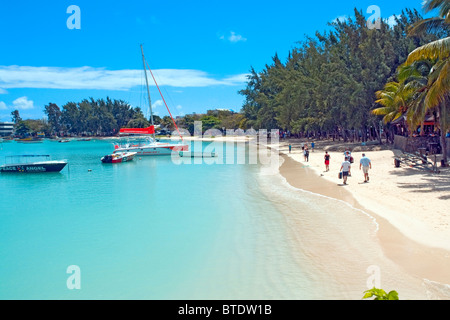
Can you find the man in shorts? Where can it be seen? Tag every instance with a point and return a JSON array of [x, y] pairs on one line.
[[366, 164], [345, 168]]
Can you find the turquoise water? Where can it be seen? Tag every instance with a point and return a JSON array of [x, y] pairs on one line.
[[146, 229], [152, 229]]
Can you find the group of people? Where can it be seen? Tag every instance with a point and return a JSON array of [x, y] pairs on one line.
[[365, 164]]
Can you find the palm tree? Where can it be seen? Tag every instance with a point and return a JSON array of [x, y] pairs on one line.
[[435, 24], [438, 87], [415, 78], [394, 99]]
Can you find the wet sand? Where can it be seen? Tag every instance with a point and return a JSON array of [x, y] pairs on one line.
[[418, 260]]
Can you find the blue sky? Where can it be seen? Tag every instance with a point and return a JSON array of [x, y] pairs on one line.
[[199, 51]]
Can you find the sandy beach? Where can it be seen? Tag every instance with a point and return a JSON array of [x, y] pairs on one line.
[[409, 204]]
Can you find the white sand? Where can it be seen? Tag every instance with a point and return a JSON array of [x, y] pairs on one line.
[[415, 201]]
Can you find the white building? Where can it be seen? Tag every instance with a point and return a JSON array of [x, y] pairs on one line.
[[6, 128]]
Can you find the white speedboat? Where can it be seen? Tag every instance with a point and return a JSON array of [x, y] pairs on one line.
[[118, 157]]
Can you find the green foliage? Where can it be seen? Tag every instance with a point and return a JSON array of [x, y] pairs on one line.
[[426, 73], [22, 129], [210, 122], [93, 117], [380, 294], [16, 116], [166, 122], [328, 83], [54, 117]]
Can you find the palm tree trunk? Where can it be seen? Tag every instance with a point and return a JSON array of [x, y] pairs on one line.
[[444, 148], [443, 125], [377, 133]]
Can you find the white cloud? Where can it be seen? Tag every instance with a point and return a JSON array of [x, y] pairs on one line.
[[23, 103], [157, 103], [236, 37], [340, 18], [101, 78], [233, 37], [391, 20], [179, 107], [239, 78]]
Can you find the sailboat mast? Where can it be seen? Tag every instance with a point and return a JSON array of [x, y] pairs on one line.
[[148, 92]]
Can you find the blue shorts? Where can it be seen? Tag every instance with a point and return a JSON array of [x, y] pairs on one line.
[[345, 173]]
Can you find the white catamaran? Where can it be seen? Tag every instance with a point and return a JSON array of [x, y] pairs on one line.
[[150, 147]]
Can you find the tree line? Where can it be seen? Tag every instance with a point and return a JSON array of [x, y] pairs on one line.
[[329, 82], [101, 117], [339, 83], [105, 117]]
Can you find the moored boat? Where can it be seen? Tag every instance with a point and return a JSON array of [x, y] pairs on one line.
[[7, 139], [33, 167], [150, 147], [30, 140], [118, 157]]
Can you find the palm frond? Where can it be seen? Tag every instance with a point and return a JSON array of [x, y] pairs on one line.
[[417, 110], [439, 49], [430, 25], [442, 5], [381, 111], [440, 87]]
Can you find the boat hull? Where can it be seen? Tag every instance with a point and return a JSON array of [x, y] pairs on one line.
[[33, 167], [154, 150], [116, 158]]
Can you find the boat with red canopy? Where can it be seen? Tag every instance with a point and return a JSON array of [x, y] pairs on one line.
[[149, 146]]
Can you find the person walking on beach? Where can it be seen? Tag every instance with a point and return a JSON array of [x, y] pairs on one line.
[[345, 168], [312, 146], [366, 164], [327, 161], [348, 155], [306, 154], [290, 148]]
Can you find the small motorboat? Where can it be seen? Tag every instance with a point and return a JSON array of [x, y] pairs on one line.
[[30, 140], [7, 139], [64, 140], [118, 157]]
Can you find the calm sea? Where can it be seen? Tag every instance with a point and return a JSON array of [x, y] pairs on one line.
[[146, 229], [152, 229]]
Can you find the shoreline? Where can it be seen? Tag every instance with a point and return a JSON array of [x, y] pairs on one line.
[[422, 256]]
